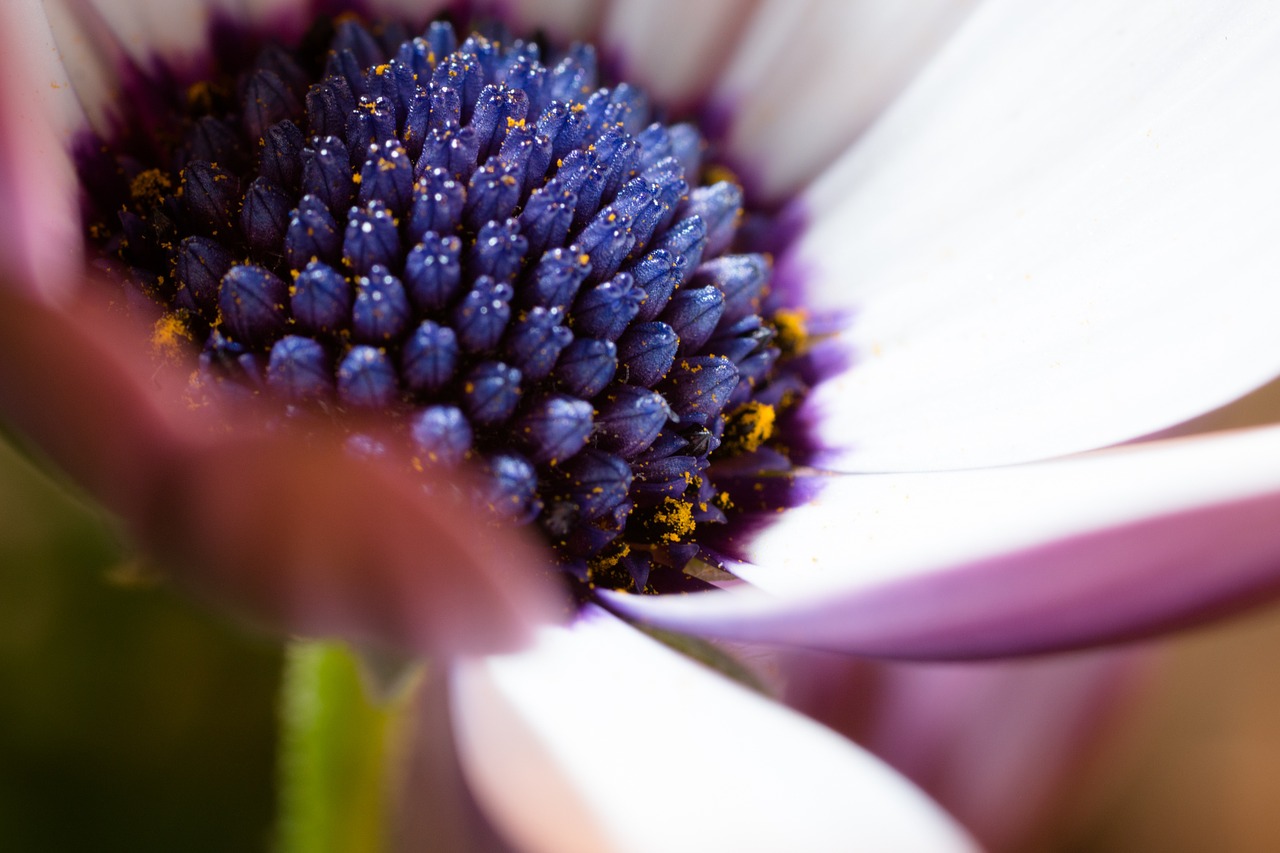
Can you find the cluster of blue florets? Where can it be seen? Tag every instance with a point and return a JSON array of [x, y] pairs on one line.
[[513, 259]]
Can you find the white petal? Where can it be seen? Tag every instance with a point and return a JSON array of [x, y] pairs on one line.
[[868, 529], [809, 75], [1061, 237], [673, 47], [975, 563], [598, 739]]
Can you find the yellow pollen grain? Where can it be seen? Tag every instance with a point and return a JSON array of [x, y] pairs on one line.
[[610, 559], [169, 337], [675, 519], [751, 425], [150, 186], [716, 173], [793, 331], [200, 96]]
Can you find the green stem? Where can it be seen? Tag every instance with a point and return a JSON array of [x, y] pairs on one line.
[[337, 753]]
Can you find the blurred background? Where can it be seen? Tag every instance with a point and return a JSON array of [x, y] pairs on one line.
[[133, 719], [130, 718]]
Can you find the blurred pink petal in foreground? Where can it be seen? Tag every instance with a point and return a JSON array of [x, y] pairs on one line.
[[300, 534]]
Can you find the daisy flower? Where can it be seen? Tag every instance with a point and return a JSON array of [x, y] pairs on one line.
[[982, 242]]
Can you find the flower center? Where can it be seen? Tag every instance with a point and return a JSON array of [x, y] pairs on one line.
[[520, 265]]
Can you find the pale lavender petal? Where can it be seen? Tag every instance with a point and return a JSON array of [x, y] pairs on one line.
[[563, 19], [40, 243], [414, 11], [289, 17], [1081, 551], [298, 534], [599, 739], [100, 38], [145, 29], [1000, 745], [91, 56], [267, 9], [809, 75], [674, 48], [1058, 239]]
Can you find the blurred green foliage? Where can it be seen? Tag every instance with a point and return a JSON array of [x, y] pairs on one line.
[[336, 749], [130, 718]]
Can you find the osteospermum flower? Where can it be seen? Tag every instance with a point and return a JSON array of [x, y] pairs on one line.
[[1017, 253]]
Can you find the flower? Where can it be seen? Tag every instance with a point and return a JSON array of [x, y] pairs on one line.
[[1020, 242]]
